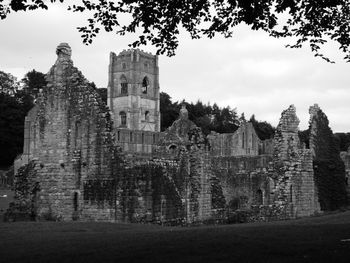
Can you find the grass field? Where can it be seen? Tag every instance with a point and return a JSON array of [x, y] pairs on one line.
[[318, 239]]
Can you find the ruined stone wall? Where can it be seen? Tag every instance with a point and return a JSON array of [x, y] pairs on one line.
[[69, 136], [244, 141], [345, 156], [244, 180], [139, 142], [266, 147], [295, 192]]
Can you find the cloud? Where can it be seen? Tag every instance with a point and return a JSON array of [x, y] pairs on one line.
[[250, 71]]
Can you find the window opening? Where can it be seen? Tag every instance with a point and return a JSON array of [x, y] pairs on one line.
[[124, 85], [145, 84], [75, 201], [147, 116], [122, 118]]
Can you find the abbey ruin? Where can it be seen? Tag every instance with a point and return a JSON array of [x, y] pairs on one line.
[[84, 160]]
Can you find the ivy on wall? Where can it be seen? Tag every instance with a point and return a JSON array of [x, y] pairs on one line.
[[23, 208], [328, 167]]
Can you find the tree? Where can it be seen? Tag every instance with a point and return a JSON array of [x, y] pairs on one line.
[[343, 141], [263, 129], [103, 93], [329, 169], [14, 105], [168, 110], [8, 83], [308, 21], [33, 82]]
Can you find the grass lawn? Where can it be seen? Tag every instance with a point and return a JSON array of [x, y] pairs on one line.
[[318, 239]]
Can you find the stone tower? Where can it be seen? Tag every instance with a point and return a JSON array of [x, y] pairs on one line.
[[133, 90]]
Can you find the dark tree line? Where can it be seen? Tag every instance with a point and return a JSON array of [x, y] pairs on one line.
[[210, 117], [14, 105], [341, 140]]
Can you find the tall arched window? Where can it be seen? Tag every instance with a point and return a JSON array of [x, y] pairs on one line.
[[122, 118], [147, 116], [124, 85], [259, 197], [145, 84], [75, 201], [243, 140]]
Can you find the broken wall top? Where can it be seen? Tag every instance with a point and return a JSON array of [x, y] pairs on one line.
[[289, 121]]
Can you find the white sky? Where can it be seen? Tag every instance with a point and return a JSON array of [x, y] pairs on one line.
[[250, 71]]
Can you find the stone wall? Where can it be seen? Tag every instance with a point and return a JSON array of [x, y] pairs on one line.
[[345, 156], [244, 141], [85, 168], [295, 191], [129, 71], [244, 180], [68, 133]]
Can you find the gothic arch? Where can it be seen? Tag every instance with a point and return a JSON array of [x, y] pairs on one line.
[[145, 85], [147, 116], [123, 84], [122, 115]]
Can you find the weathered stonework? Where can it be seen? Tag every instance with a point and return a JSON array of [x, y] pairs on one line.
[[90, 168], [294, 189], [345, 156]]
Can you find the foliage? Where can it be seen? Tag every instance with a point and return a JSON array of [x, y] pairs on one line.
[[100, 191], [218, 199], [343, 140], [13, 110], [169, 111], [208, 118], [33, 82], [14, 105], [103, 93], [309, 22], [25, 191], [263, 129], [328, 167], [8, 83]]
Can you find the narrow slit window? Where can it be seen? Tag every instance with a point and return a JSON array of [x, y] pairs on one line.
[[147, 116], [122, 118], [145, 84], [124, 85]]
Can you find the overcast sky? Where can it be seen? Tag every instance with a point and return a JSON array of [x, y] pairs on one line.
[[250, 71]]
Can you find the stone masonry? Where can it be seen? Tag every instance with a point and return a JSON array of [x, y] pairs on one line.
[[90, 163]]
